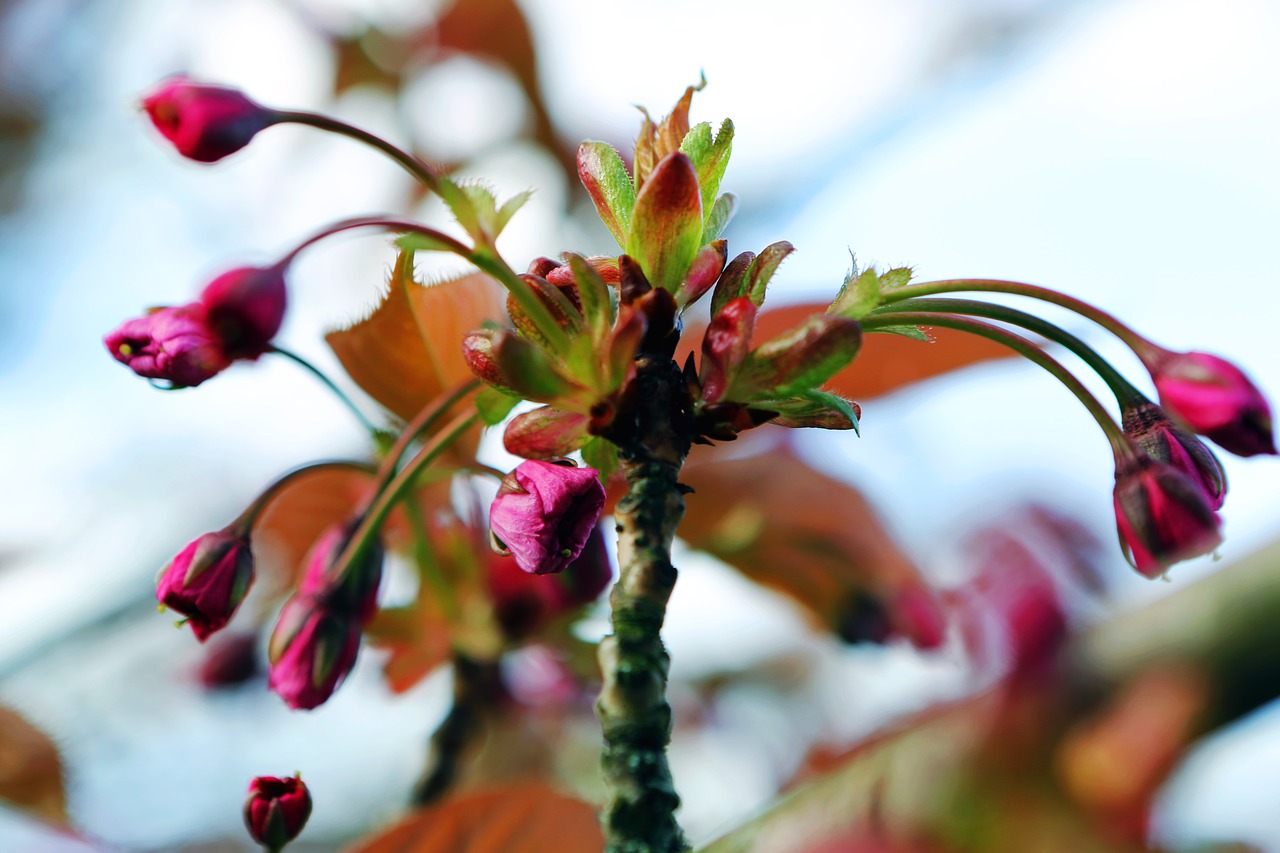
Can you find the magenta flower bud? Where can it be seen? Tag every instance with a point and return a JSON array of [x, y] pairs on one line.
[[174, 344], [1214, 397], [207, 580], [1163, 515], [276, 810], [311, 651], [244, 308], [544, 513], [1163, 440], [205, 123], [349, 591]]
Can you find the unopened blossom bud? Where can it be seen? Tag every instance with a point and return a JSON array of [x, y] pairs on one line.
[[1163, 440], [1214, 397], [351, 590], [205, 123], [173, 344], [1163, 516], [244, 308], [207, 580], [276, 810], [311, 651], [544, 513]]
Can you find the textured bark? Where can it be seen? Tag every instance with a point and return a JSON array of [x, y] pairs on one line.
[[639, 814]]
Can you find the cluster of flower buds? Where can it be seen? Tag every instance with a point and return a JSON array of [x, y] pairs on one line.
[[276, 810], [235, 317], [317, 636]]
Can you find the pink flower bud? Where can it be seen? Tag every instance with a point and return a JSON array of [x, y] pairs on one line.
[[1214, 397], [244, 308], [544, 512], [207, 580], [350, 590], [1163, 515], [276, 810], [1163, 440], [174, 344], [205, 123], [311, 651]]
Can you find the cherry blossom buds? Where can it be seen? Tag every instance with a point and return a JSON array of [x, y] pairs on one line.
[[312, 649], [276, 810], [1214, 397], [1163, 440], [244, 308], [544, 512], [207, 580], [1162, 514], [352, 589], [205, 123], [173, 344]]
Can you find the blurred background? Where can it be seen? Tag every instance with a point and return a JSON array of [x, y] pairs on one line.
[[1122, 151]]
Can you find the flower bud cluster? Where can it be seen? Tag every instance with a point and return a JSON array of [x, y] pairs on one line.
[[317, 635], [235, 317]]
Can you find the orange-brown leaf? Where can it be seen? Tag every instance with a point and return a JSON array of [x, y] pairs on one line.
[[812, 537], [30, 769], [530, 818], [409, 349], [298, 515]]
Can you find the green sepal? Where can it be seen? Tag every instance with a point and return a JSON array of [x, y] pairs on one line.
[[595, 295], [508, 210], [666, 225], [601, 454], [528, 370], [461, 204], [414, 242], [602, 172], [493, 405], [914, 332]]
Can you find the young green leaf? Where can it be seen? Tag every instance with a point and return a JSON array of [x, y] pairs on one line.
[[666, 226], [859, 294], [605, 177], [710, 157], [719, 216], [762, 269]]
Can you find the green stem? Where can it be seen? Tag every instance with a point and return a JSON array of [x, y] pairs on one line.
[[1126, 394], [447, 243], [639, 811], [423, 421], [391, 493], [328, 383], [1119, 442], [528, 301], [413, 165], [425, 558], [1144, 348]]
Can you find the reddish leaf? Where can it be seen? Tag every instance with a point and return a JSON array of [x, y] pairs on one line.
[[296, 516], [814, 538], [409, 349], [530, 818], [30, 769]]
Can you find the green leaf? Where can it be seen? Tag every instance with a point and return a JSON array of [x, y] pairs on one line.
[[597, 307], [461, 204], [895, 277], [666, 226], [814, 409], [494, 405], [602, 172], [719, 216], [762, 269], [710, 157], [859, 294], [601, 454], [799, 359], [508, 210]]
